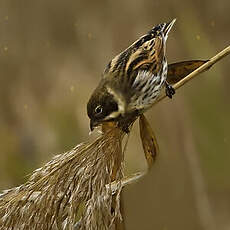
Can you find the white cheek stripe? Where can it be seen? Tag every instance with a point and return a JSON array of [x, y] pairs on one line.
[[121, 104], [113, 115]]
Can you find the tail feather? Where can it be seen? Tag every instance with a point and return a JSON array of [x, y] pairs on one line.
[[168, 26]]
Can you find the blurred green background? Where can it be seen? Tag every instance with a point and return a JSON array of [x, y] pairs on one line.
[[52, 54]]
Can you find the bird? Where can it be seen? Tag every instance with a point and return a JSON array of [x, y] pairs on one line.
[[132, 80]]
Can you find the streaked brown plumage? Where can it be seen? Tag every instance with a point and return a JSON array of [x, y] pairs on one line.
[[132, 80]]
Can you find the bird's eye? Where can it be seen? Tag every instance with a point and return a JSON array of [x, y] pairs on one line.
[[98, 109]]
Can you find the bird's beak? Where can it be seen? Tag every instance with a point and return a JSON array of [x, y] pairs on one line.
[[93, 124]]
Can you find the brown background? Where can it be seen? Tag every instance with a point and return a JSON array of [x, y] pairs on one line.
[[52, 54]]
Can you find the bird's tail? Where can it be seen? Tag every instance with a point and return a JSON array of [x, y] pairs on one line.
[[167, 27]]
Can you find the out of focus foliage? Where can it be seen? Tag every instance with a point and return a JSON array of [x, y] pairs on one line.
[[52, 54]]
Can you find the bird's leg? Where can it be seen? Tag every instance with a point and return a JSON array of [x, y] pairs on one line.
[[126, 129], [169, 90], [126, 123]]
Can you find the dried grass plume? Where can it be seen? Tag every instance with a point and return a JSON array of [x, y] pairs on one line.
[[71, 191]]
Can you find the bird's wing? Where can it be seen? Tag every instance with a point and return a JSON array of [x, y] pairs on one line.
[[145, 54]]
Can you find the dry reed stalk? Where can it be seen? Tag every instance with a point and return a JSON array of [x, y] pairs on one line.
[[81, 188], [207, 65]]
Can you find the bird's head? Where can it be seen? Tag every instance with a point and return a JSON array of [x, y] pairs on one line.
[[102, 106]]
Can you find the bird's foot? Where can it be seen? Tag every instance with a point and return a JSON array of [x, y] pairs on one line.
[[169, 90]]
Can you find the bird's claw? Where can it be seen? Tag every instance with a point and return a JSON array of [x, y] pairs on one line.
[[169, 90]]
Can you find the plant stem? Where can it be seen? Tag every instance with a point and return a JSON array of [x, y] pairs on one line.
[[199, 70]]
